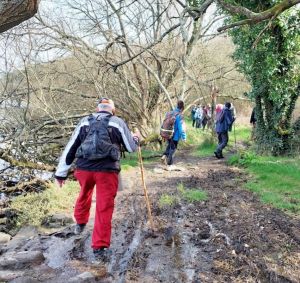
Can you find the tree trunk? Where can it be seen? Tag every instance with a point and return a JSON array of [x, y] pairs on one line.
[[14, 12]]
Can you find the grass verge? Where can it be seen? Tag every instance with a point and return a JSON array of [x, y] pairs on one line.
[[131, 160], [189, 195], [33, 207], [276, 180]]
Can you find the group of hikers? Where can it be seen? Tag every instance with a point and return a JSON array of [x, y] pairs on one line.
[[96, 144], [201, 116]]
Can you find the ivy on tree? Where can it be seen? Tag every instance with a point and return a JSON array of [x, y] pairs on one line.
[[268, 54]]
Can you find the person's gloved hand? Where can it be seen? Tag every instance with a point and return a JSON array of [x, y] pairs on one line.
[[136, 139], [136, 136], [60, 182]]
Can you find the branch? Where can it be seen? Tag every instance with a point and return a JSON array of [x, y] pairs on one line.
[[116, 66], [252, 17], [14, 12]]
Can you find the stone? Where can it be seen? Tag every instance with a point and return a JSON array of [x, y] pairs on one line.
[[7, 275], [18, 260], [85, 277], [175, 168], [57, 220], [22, 237], [25, 279], [159, 170], [4, 238]]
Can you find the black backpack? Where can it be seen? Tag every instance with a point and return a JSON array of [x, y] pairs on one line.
[[97, 144]]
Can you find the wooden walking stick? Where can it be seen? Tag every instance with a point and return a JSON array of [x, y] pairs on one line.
[[145, 188]]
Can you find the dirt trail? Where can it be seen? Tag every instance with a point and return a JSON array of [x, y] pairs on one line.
[[231, 237]]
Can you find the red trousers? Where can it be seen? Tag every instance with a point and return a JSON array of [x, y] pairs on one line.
[[106, 190]]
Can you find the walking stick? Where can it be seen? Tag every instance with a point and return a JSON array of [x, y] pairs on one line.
[[145, 188]]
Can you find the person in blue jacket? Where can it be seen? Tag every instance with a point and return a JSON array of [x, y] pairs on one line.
[[179, 133], [223, 125]]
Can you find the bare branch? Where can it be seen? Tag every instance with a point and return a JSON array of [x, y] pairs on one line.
[[252, 17]]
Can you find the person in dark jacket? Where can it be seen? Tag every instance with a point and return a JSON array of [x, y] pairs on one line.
[[253, 122], [223, 124], [102, 173], [179, 133], [193, 115]]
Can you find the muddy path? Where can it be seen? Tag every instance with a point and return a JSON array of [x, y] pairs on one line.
[[230, 237]]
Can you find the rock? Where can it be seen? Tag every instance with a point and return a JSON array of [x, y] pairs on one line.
[[85, 277], [4, 238], [25, 279], [7, 275], [175, 168], [57, 220], [18, 260], [158, 170], [22, 237]]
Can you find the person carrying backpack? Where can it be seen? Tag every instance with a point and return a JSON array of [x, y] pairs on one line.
[[96, 143], [224, 121], [178, 133]]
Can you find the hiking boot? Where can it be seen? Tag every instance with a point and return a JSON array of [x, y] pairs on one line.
[[218, 155], [164, 159], [102, 254], [79, 228]]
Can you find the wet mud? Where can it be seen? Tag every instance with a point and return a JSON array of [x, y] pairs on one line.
[[230, 237]]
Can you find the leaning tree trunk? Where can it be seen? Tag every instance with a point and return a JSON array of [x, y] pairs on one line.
[[274, 130], [14, 12]]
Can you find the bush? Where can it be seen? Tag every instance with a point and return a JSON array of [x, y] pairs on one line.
[[33, 207]]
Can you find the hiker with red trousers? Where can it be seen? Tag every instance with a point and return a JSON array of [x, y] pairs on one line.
[[224, 121], [97, 164], [179, 133]]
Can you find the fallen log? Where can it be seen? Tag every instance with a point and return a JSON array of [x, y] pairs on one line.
[[26, 164], [29, 186]]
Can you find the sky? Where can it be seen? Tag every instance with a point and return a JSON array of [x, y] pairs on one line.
[[58, 9]]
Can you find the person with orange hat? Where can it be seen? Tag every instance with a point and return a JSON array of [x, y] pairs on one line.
[[96, 143]]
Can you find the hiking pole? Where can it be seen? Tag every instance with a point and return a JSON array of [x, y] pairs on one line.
[[145, 188]]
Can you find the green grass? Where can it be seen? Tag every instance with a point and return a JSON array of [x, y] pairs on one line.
[[276, 180], [206, 144], [33, 207], [192, 195], [167, 200], [241, 133], [189, 195], [131, 159]]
